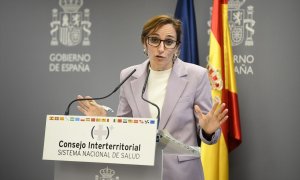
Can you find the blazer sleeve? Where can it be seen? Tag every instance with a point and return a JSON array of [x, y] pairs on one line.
[[124, 109], [204, 101], [214, 138]]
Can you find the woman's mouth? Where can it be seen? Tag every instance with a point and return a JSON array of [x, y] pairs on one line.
[[160, 57]]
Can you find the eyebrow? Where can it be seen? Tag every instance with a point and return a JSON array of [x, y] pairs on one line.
[[156, 34]]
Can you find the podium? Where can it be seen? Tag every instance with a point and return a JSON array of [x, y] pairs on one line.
[[75, 167], [64, 170]]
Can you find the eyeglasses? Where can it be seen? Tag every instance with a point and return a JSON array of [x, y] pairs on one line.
[[168, 43]]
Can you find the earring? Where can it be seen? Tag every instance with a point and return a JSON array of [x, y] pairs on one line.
[[175, 57], [145, 52]]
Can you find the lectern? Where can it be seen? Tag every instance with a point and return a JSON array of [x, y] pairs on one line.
[[108, 148]]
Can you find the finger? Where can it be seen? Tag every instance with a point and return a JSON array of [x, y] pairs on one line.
[[223, 120], [221, 108], [93, 102], [216, 103], [86, 103], [198, 111], [223, 114], [81, 103], [88, 97], [82, 110], [79, 97]]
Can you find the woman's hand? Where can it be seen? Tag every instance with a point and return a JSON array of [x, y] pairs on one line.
[[213, 119], [90, 107]]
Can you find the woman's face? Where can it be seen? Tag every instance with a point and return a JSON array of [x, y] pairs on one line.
[[161, 56]]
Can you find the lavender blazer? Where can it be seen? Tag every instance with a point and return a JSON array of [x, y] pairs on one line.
[[188, 85]]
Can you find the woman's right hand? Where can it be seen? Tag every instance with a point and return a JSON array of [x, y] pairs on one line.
[[90, 107]]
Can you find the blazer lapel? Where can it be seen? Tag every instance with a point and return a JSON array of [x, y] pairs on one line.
[[137, 86], [175, 88]]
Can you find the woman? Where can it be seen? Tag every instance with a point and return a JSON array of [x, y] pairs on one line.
[[181, 90]]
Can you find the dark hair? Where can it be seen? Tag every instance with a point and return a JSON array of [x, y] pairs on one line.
[[156, 22]]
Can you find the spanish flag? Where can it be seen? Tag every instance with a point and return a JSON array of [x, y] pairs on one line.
[[222, 78]]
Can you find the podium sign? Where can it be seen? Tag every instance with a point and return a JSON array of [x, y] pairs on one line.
[[64, 170], [100, 139]]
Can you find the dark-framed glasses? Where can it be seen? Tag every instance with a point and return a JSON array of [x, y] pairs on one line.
[[168, 43]]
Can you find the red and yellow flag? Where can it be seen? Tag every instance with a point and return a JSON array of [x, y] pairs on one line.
[[222, 77]]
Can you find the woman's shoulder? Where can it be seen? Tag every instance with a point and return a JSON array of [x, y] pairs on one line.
[[140, 68], [128, 69], [192, 68]]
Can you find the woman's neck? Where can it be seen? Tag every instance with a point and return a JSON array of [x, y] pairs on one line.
[[157, 67]]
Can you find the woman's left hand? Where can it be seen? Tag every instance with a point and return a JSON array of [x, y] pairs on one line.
[[211, 121], [90, 107]]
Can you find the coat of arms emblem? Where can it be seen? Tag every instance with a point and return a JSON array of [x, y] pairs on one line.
[[70, 27], [107, 174], [240, 22]]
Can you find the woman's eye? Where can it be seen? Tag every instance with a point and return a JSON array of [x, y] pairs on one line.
[[155, 40], [169, 41]]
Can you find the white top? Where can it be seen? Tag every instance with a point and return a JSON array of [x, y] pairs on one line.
[[157, 87]]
